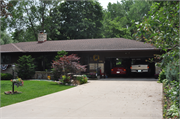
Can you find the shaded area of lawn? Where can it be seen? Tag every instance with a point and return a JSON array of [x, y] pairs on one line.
[[30, 90]]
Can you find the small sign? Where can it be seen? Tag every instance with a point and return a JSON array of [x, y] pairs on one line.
[[139, 70]]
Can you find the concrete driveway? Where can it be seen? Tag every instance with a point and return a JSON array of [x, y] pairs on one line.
[[98, 99]]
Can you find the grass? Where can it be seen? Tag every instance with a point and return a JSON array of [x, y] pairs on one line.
[[30, 90]]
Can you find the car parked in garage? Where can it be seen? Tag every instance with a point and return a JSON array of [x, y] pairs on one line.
[[139, 66], [119, 67]]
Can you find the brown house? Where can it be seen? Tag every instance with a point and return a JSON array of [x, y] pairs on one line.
[[93, 52]]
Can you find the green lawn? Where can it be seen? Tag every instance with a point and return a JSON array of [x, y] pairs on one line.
[[30, 90]]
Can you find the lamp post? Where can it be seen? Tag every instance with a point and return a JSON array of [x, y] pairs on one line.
[[13, 68]]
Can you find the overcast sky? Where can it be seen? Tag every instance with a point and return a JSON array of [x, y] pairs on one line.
[[104, 3]]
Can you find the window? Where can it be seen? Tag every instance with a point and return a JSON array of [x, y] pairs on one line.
[[5, 59]]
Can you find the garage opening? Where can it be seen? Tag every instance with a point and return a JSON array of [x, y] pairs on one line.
[[129, 67]]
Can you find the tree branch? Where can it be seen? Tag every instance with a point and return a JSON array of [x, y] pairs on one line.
[[31, 23]]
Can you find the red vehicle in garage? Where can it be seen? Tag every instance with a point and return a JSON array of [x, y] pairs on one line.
[[119, 67], [118, 70]]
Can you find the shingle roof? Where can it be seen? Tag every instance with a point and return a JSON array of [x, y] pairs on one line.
[[102, 44]]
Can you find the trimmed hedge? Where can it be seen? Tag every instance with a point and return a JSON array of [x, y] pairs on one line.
[[6, 76]]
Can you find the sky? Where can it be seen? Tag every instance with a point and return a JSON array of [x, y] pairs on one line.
[[104, 3]]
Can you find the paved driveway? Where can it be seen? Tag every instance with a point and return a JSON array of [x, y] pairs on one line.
[[98, 99]]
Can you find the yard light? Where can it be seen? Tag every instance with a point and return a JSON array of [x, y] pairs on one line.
[[13, 68]]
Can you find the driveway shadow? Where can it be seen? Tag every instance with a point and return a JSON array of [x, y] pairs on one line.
[[128, 79]]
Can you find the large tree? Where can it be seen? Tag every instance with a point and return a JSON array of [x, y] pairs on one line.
[[66, 20], [4, 13], [4, 9], [161, 28], [5, 38], [123, 14], [29, 17], [76, 20]]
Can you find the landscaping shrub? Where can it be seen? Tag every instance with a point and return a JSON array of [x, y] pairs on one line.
[[56, 74], [66, 79], [82, 79], [68, 64], [162, 76], [171, 99], [172, 71], [60, 54], [6, 76], [79, 79], [26, 67]]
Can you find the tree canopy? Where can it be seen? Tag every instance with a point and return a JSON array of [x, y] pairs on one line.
[[4, 9], [60, 20], [73, 19], [5, 38], [161, 28], [76, 20], [119, 17], [29, 17]]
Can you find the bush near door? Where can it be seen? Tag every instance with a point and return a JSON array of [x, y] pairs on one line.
[[6, 76]]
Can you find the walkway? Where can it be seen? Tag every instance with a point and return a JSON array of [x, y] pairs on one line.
[[98, 99]]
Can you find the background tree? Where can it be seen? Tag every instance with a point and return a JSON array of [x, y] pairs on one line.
[[4, 9], [60, 54], [4, 13], [29, 17], [5, 38], [25, 67], [76, 20], [119, 18], [161, 29]]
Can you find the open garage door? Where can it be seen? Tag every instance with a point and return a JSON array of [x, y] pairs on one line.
[[117, 66], [120, 67]]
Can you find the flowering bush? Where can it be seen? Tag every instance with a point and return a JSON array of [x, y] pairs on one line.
[[82, 79], [67, 64], [173, 111], [92, 74], [18, 82], [49, 77], [65, 79]]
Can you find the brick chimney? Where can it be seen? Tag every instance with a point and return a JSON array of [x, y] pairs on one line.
[[42, 37]]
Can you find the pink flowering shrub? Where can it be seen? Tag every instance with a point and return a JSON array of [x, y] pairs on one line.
[[68, 64]]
